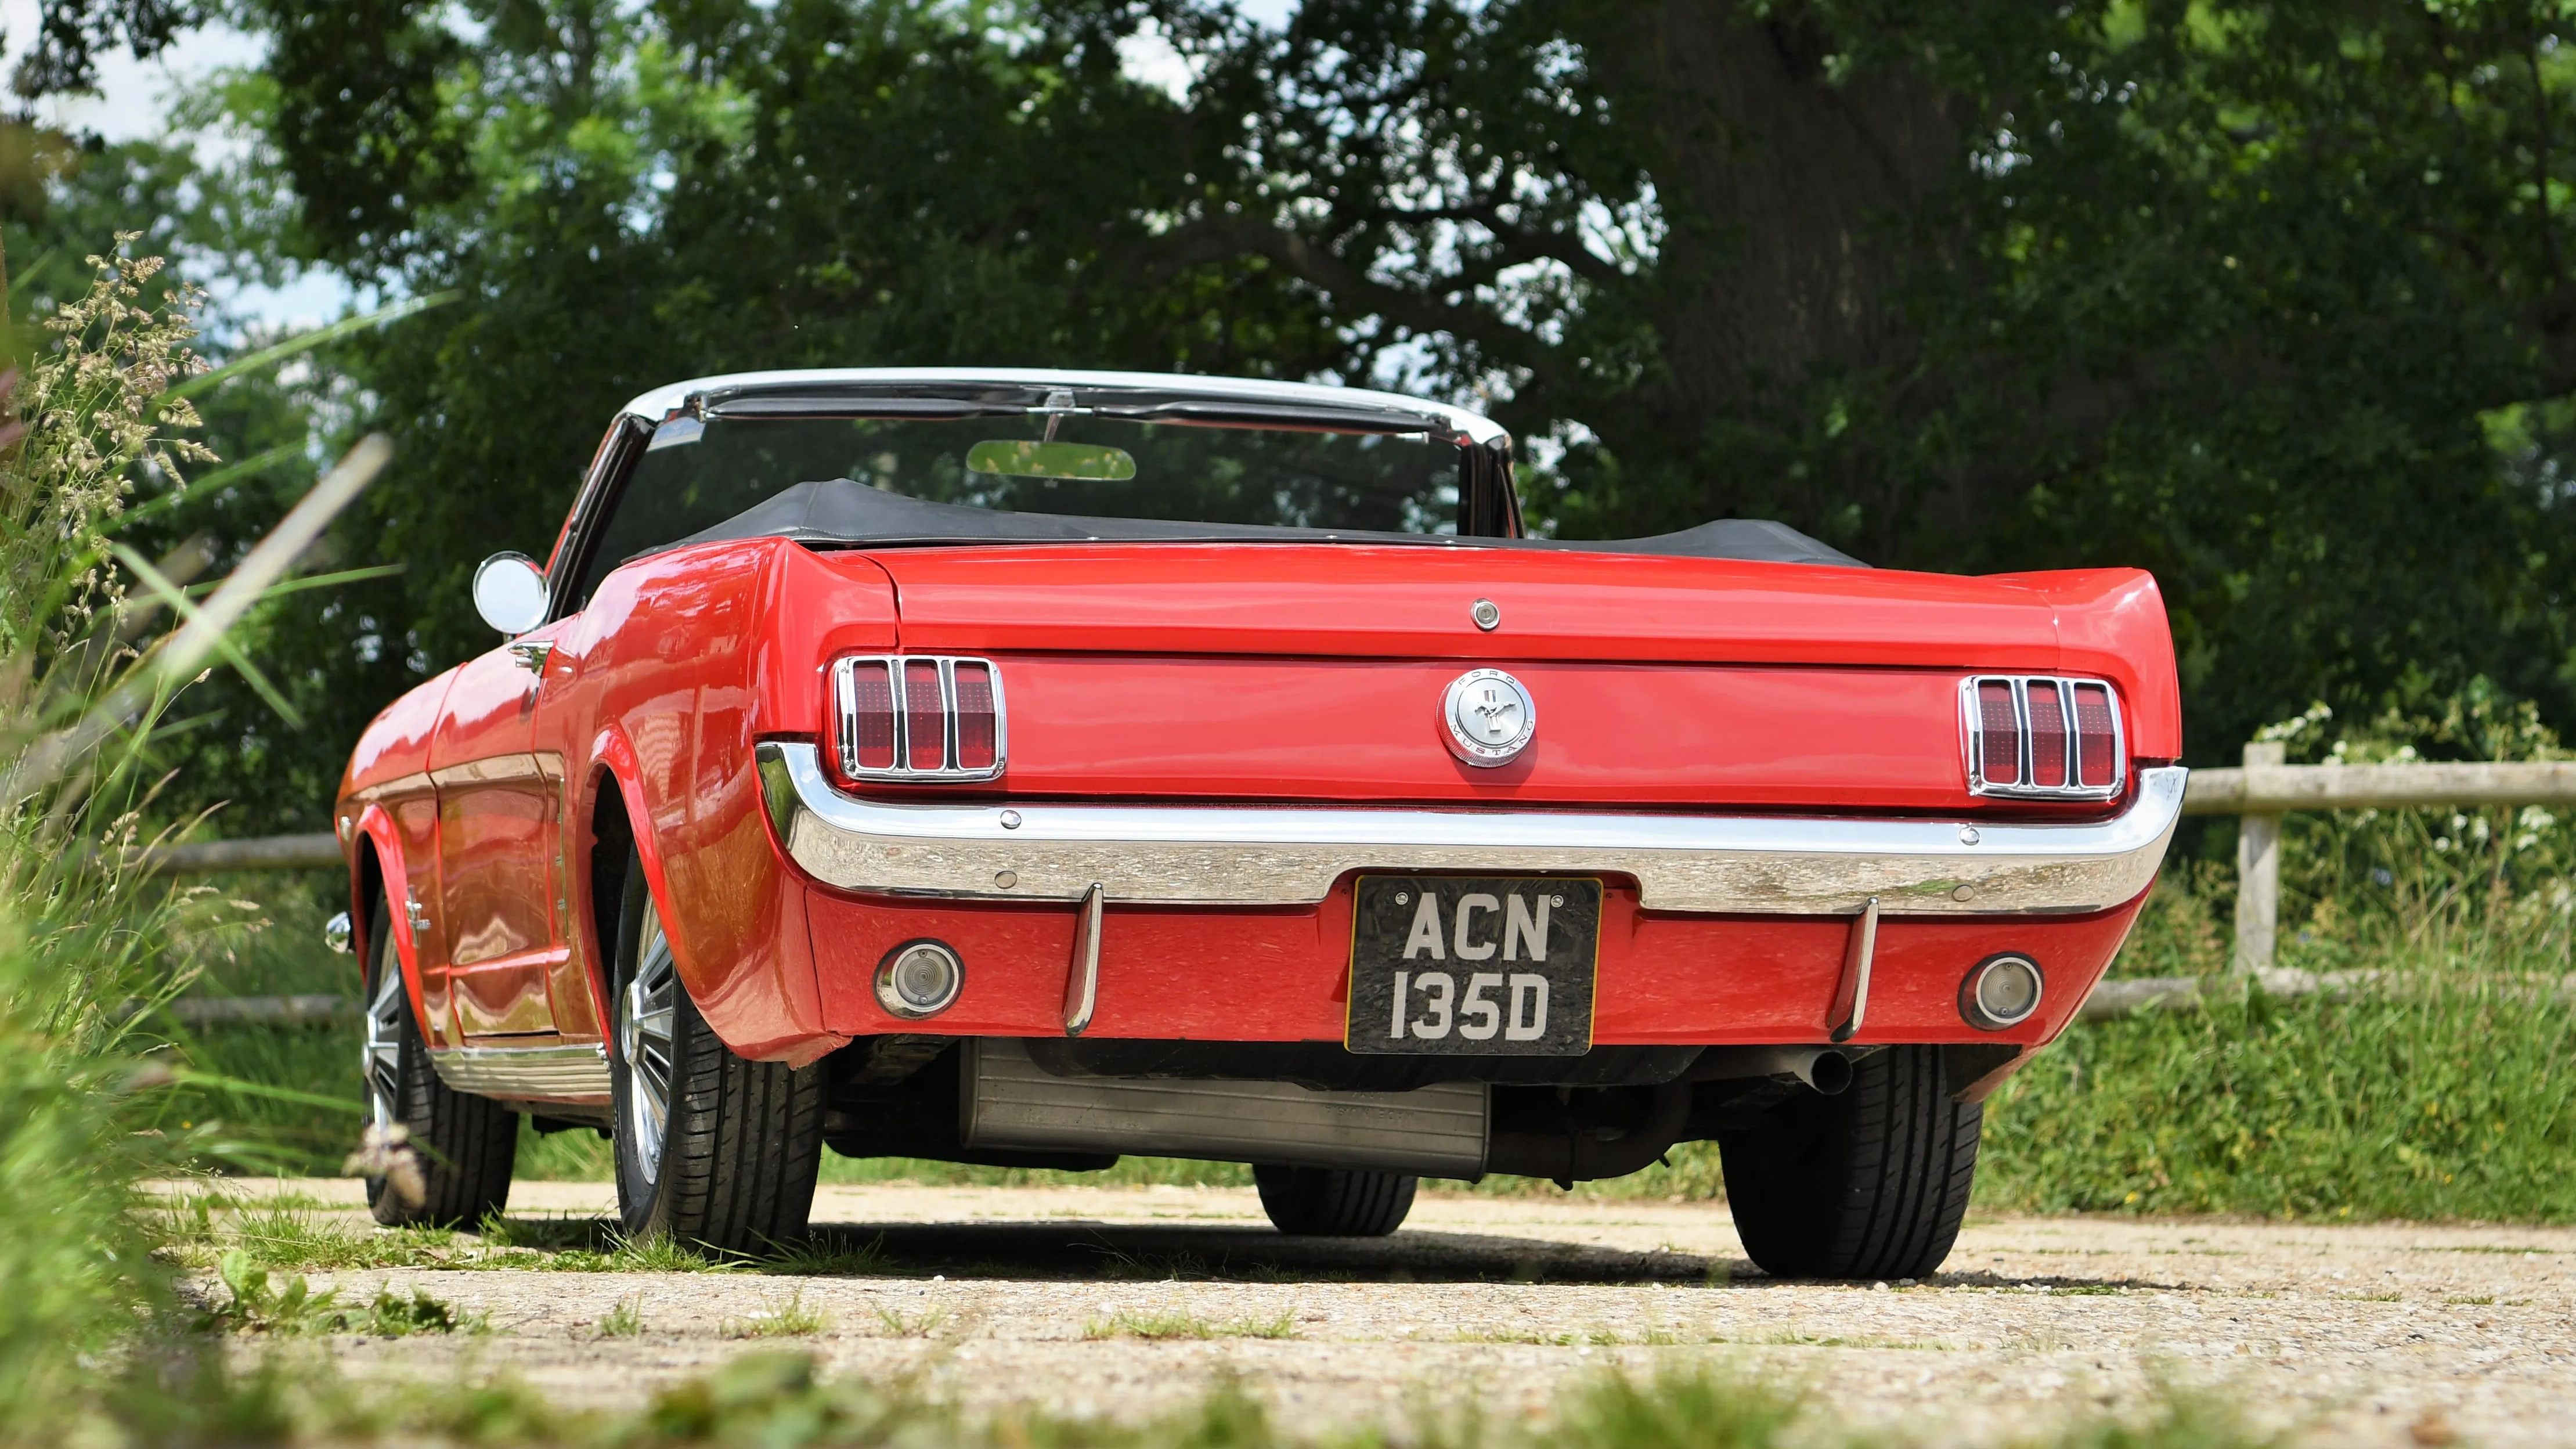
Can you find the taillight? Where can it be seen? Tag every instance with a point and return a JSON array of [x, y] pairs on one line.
[[925, 717], [916, 717], [867, 715], [2043, 738], [978, 716], [1998, 732], [2047, 735], [2097, 737]]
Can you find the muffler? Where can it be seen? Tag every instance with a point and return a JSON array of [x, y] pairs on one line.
[[1007, 1102]]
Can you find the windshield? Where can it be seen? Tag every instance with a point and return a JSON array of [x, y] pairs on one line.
[[696, 475]]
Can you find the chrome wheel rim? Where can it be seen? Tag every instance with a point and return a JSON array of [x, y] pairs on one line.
[[644, 1012], [383, 1060]]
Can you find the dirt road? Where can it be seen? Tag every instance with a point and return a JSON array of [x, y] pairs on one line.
[[1091, 1300]]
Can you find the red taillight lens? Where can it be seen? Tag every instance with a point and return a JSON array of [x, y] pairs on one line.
[[2047, 734], [976, 732], [867, 727], [2097, 737], [925, 715], [916, 719], [1998, 733]]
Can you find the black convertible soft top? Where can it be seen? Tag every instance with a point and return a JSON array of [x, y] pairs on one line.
[[840, 511]]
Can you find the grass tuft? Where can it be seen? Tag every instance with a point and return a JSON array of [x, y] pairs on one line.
[[899, 1324], [1182, 1324], [255, 1304], [626, 1320], [794, 1318]]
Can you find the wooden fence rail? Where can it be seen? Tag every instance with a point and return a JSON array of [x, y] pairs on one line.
[[2265, 789], [2259, 794]]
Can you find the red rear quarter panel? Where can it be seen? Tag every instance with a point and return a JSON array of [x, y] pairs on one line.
[[658, 691]]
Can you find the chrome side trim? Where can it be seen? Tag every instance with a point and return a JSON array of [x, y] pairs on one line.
[[1437, 1131], [1283, 855], [490, 770], [525, 1072]]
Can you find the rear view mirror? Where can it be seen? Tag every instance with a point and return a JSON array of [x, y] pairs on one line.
[[510, 593], [1052, 460]]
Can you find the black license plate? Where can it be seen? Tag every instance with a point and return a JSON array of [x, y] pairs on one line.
[[1473, 965]]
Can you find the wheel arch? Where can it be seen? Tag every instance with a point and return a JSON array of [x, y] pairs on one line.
[[379, 874], [616, 819]]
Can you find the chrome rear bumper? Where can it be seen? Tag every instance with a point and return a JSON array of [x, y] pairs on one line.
[[1291, 855]]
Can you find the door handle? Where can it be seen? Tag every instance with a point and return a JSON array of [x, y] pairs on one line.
[[532, 654]]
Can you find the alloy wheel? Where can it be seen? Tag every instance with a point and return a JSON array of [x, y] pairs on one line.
[[644, 1027], [383, 1059]]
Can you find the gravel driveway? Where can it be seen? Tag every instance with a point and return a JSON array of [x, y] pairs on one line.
[[2394, 1334]]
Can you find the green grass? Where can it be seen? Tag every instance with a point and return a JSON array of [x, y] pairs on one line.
[[2445, 1102], [791, 1317], [775, 1399], [1180, 1323], [626, 1320], [252, 1303]]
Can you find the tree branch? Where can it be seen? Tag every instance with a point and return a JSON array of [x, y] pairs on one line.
[[1225, 239]]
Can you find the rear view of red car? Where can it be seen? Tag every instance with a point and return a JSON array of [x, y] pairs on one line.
[[1029, 768]]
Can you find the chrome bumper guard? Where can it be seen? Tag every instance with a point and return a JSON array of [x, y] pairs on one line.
[[1231, 855]]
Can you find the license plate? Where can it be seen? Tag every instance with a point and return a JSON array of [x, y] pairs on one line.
[[1473, 965]]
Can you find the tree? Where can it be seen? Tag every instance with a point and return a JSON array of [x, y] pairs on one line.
[[2269, 298]]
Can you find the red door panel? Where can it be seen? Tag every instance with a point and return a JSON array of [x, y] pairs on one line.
[[497, 827]]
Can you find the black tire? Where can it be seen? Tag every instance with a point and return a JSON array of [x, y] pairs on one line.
[[739, 1141], [465, 1145], [1868, 1184], [1326, 1202]]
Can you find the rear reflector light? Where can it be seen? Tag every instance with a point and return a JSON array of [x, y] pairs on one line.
[[916, 717], [2043, 738]]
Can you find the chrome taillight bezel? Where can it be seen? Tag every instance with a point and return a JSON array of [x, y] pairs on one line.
[[845, 720], [1972, 736]]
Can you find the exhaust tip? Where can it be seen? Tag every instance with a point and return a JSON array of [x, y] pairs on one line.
[[919, 979], [2001, 991], [1829, 1073]]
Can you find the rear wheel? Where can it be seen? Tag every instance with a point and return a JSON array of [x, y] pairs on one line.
[[466, 1146], [1327, 1202], [710, 1148], [1870, 1183]]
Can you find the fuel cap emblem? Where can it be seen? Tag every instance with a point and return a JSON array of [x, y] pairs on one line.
[[1488, 717]]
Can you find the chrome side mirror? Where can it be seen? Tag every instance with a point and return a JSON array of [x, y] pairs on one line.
[[510, 593]]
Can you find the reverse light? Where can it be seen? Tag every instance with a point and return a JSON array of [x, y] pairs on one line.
[[2041, 737], [2001, 991], [916, 717], [920, 978]]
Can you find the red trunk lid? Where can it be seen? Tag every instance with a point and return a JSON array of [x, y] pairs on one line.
[[1413, 602], [1316, 672]]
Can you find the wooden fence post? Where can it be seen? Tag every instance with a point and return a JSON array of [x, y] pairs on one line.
[[2258, 872]]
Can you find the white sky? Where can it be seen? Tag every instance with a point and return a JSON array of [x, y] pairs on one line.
[[135, 98]]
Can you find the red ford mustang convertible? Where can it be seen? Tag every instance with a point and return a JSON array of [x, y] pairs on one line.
[[1026, 768]]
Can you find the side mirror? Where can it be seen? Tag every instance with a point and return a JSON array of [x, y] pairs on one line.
[[510, 593]]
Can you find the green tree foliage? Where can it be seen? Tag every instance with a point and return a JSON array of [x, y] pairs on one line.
[[2269, 298]]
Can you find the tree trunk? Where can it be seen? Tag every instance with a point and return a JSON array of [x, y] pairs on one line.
[[1784, 193]]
